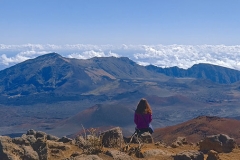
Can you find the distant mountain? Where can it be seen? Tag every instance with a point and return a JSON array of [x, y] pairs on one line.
[[97, 116], [201, 71], [54, 73], [196, 129], [59, 75]]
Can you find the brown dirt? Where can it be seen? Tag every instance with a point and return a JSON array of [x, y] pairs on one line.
[[197, 128], [234, 155]]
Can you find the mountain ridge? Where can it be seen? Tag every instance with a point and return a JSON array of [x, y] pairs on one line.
[[52, 72], [212, 72]]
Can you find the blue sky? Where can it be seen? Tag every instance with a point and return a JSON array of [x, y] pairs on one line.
[[120, 22], [160, 32]]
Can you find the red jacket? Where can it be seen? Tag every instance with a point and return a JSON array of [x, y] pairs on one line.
[[142, 122]]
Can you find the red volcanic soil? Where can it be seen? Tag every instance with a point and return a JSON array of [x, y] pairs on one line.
[[196, 129]]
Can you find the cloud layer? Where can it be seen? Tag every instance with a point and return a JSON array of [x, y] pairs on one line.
[[183, 56]]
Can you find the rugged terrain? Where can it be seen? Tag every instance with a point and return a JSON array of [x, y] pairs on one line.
[[110, 144]]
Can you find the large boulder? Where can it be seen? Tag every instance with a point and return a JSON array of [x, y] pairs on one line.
[[189, 155], [146, 137], [16, 148], [112, 137], [35, 145], [29, 153], [219, 143], [9, 150]]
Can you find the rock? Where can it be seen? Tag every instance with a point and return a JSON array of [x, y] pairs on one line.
[[212, 155], [146, 137], [86, 157], [29, 153], [118, 155], [154, 152], [64, 139], [162, 144], [174, 145], [9, 150], [21, 141], [31, 132], [31, 138], [112, 138], [40, 134], [34, 146], [219, 143], [52, 138], [189, 155], [57, 145], [179, 142]]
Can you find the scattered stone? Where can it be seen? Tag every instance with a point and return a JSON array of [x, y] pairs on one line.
[[57, 145], [85, 157], [161, 144], [213, 155], [30, 138], [219, 143], [179, 142], [112, 137], [29, 153], [31, 132], [9, 150], [118, 155], [174, 145], [154, 152], [189, 155], [52, 138], [21, 141], [146, 137], [40, 134], [37, 145], [65, 139]]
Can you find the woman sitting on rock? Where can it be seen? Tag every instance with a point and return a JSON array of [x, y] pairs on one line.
[[143, 117]]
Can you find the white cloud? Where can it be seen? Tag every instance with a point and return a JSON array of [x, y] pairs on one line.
[[183, 56], [91, 53], [12, 60], [33, 53]]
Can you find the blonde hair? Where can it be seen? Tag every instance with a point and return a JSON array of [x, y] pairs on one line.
[[143, 107]]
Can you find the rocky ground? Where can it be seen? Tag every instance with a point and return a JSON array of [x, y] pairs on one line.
[[37, 145]]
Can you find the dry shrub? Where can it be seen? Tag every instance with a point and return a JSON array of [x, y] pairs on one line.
[[91, 143]]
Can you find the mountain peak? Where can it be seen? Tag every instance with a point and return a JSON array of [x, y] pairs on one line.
[[50, 55]]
